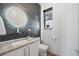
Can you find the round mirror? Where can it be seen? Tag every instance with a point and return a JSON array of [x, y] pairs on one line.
[[16, 16]]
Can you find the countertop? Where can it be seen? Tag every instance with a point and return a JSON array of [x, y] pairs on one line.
[[11, 45]]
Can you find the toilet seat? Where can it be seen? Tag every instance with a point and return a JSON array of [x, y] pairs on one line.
[[43, 47]]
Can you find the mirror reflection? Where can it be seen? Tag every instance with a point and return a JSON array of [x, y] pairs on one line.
[[16, 16]]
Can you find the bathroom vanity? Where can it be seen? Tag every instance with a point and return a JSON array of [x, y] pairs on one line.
[[19, 20], [20, 47]]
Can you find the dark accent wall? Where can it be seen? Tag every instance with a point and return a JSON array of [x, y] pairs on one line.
[[33, 13]]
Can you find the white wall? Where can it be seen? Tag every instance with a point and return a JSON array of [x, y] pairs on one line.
[[78, 31], [65, 17]]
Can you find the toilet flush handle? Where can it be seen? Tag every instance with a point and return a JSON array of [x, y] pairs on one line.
[[54, 39]]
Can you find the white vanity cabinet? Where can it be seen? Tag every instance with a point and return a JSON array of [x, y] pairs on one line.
[[34, 49], [26, 51], [31, 49], [17, 52]]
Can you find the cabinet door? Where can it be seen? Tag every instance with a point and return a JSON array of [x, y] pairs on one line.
[[34, 49], [17, 52], [26, 51]]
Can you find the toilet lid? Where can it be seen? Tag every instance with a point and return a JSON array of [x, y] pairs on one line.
[[43, 46]]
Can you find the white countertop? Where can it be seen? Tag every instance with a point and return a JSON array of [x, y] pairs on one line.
[[13, 44]]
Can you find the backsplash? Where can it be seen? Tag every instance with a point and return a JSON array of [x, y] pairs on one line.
[[33, 13]]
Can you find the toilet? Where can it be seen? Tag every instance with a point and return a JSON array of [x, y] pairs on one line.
[[43, 50]]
